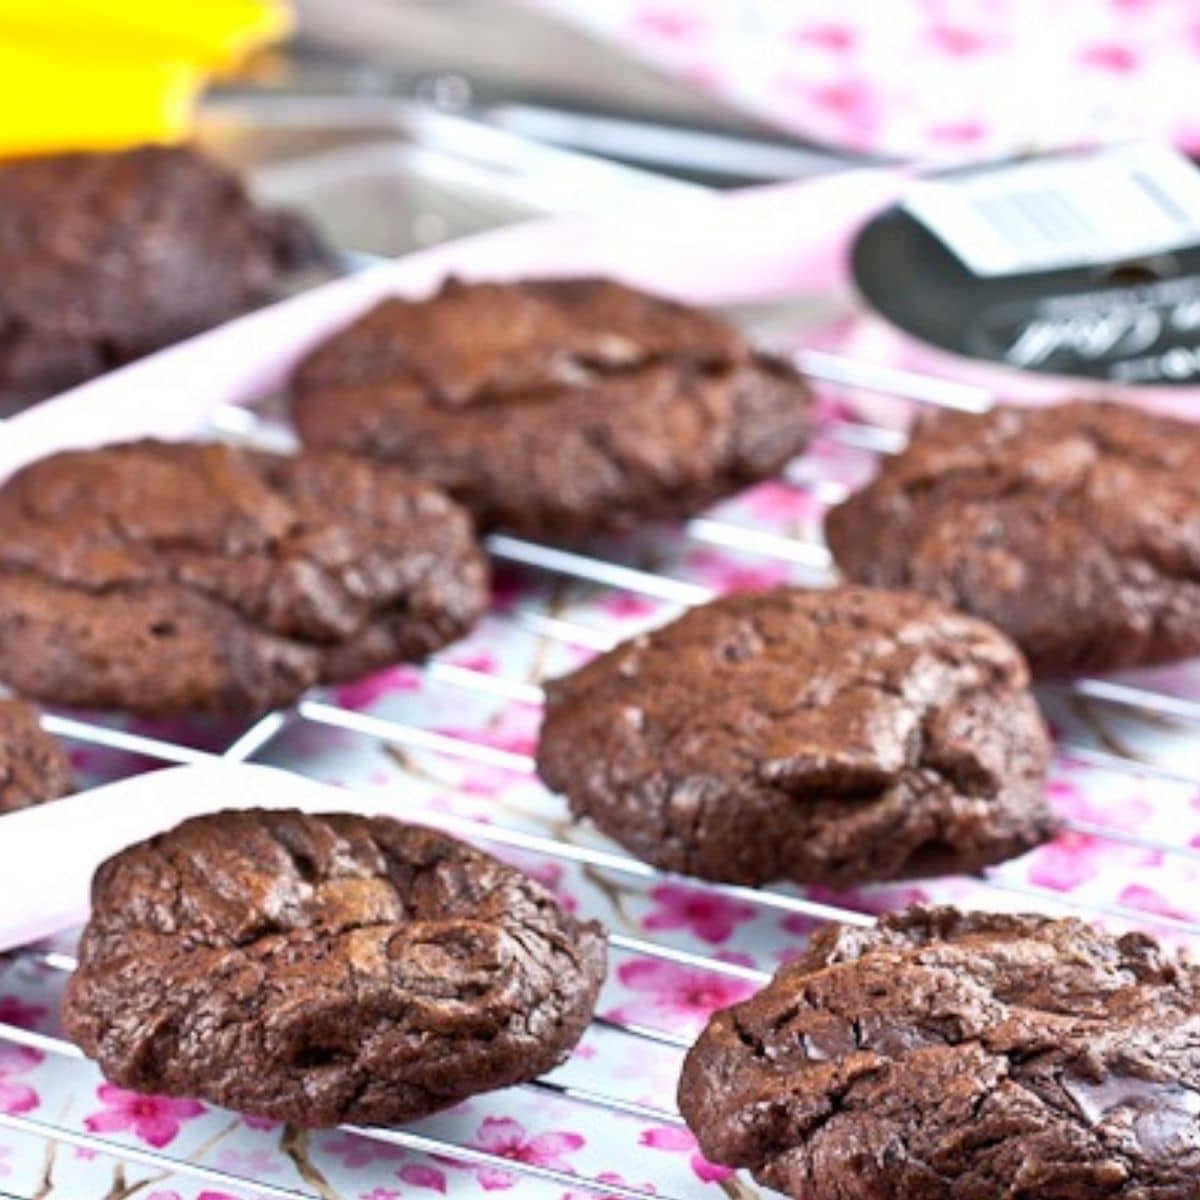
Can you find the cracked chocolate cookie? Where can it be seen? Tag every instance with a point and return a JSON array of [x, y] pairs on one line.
[[163, 578], [105, 257], [555, 408], [1076, 529], [319, 969], [831, 736], [34, 766], [974, 1056]]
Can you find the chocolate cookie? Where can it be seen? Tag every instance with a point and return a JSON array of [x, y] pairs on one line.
[[34, 766], [163, 578], [827, 737], [326, 969], [555, 408], [973, 1056], [105, 257], [1076, 529]]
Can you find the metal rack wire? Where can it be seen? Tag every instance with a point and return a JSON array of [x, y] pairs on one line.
[[806, 555]]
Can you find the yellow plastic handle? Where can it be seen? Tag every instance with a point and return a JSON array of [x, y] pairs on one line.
[[211, 33], [69, 101], [93, 74]]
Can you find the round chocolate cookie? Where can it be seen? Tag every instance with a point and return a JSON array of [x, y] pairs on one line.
[[34, 766], [828, 736], [555, 408], [973, 1056], [107, 256], [160, 578], [1076, 529], [326, 969]]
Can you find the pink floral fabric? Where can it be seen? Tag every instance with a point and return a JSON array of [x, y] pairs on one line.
[[711, 917], [15, 1011], [666, 996], [679, 1141], [17, 1095], [928, 79], [155, 1120], [509, 1139]]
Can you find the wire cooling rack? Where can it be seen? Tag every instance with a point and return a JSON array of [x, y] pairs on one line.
[[804, 555]]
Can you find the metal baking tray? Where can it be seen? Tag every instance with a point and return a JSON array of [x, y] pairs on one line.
[[386, 176]]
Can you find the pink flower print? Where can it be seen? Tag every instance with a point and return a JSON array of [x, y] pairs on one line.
[[846, 98], [516, 732], [1146, 899], [677, 1140], [1074, 859], [5, 1169], [667, 1137], [629, 606], [260, 1124], [1110, 56], [155, 1120], [706, 1171], [1068, 862], [16, 1096], [507, 1138], [455, 806], [248, 1162], [1067, 797], [670, 24], [359, 1152], [668, 995], [837, 39], [209, 1195], [609, 1177], [14, 1011], [737, 957], [1070, 800], [725, 574], [380, 1193], [852, 105], [779, 504], [420, 1175], [958, 133], [363, 693], [960, 41], [164, 1196], [480, 661], [800, 924], [712, 918]]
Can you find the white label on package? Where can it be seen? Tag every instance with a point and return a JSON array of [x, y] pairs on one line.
[[1052, 213]]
